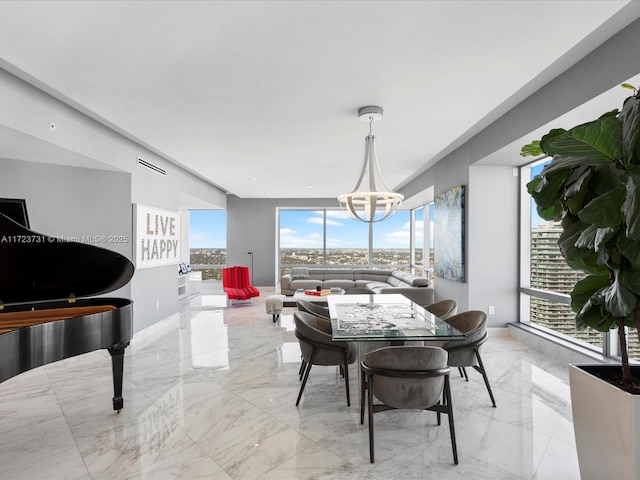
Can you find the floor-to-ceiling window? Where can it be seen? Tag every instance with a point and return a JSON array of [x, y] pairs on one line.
[[208, 242], [346, 240], [546, 279], [328, 237], [421, 231], [391, 245]]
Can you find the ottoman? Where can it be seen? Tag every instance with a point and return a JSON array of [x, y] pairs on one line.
[[274, 303]]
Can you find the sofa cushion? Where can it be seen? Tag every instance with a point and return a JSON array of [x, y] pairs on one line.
[[338, 274], [346, 284], [410, 279], [305, 284], [316, 273], [299, 272], [371, 274], [396, 282], [375, 286]]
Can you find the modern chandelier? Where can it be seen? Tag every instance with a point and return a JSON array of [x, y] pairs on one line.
[[371, 200]]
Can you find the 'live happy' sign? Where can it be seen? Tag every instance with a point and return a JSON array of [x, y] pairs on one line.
[[157, 237]]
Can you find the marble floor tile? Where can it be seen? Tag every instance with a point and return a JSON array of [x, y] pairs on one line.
[[210, 393]]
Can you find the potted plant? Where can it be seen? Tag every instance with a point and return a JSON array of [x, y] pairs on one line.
[[592, 186]]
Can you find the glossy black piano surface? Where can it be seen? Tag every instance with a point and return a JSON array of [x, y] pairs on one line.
[[45, 314]]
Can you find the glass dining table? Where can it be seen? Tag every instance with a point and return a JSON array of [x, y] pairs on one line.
[[374, 321], [386, 317]]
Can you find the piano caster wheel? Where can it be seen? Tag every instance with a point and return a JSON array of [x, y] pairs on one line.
[[118, 411]]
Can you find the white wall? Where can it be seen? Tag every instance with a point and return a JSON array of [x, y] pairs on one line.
[[493, 252]]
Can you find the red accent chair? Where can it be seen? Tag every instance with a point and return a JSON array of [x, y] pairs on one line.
[[236, 284]]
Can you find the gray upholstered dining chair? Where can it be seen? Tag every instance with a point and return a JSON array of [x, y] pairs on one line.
[[313, 308], [466, 353], [318, 348], [443, 309], [409, 377], [319, 311]]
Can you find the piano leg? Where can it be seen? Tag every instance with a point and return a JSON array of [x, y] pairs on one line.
[[117, 367]]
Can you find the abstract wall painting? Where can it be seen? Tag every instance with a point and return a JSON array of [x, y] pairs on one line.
[[448, 252]]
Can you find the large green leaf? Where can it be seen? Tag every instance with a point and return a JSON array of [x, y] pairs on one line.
[[603, 235], [594, 315], [584, 289], [630, 119], [588, 264], [568, 239], [567, 162], [631, 279], [532, 149], [605, 210], [630, 249], [631, 207], [544, 191], [587, 238], [619, 300], [598, 139], [605, 178], [576, 188], [532, 186]]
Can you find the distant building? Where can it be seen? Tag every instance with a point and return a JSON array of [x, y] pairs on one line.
[[549, 271]]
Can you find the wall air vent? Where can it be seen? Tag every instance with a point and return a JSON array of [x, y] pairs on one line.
[[144, 163]]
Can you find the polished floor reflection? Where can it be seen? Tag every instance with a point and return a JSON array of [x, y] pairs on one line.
[[210, 393]]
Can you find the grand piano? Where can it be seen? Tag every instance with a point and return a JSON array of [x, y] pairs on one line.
[[47, 312]]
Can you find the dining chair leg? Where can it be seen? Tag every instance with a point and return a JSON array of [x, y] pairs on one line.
[[306, 376], [460, 369], [346, 380], [370, 412], [452, 430], [302, 367], [480, 368], [363, 389]]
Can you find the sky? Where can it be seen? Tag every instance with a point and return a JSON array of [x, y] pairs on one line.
[[207, 229], [535, 218], [303, 228]]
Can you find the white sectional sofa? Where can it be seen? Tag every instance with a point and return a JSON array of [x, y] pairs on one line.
[[413, 287]]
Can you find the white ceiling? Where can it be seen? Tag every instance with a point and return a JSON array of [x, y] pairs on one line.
[[260, 97]]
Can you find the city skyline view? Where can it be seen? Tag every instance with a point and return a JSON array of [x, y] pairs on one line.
[[303, 228]]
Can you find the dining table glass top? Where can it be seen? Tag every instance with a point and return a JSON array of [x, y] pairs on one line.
[[385, 317]]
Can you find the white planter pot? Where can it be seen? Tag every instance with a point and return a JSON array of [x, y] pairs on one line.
[[606, 422]]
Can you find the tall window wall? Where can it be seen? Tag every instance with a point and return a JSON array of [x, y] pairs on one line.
[[422, 233], [208, 242], [547, 280], [329, 238]]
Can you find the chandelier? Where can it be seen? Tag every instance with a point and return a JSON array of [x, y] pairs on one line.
[[371, 200]]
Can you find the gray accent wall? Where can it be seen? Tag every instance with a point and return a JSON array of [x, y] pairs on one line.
[[251, 227]]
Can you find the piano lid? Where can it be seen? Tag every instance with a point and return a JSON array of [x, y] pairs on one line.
[[36, 267]]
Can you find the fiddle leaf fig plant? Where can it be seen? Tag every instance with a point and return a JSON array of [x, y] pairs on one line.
[[592, 187]]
